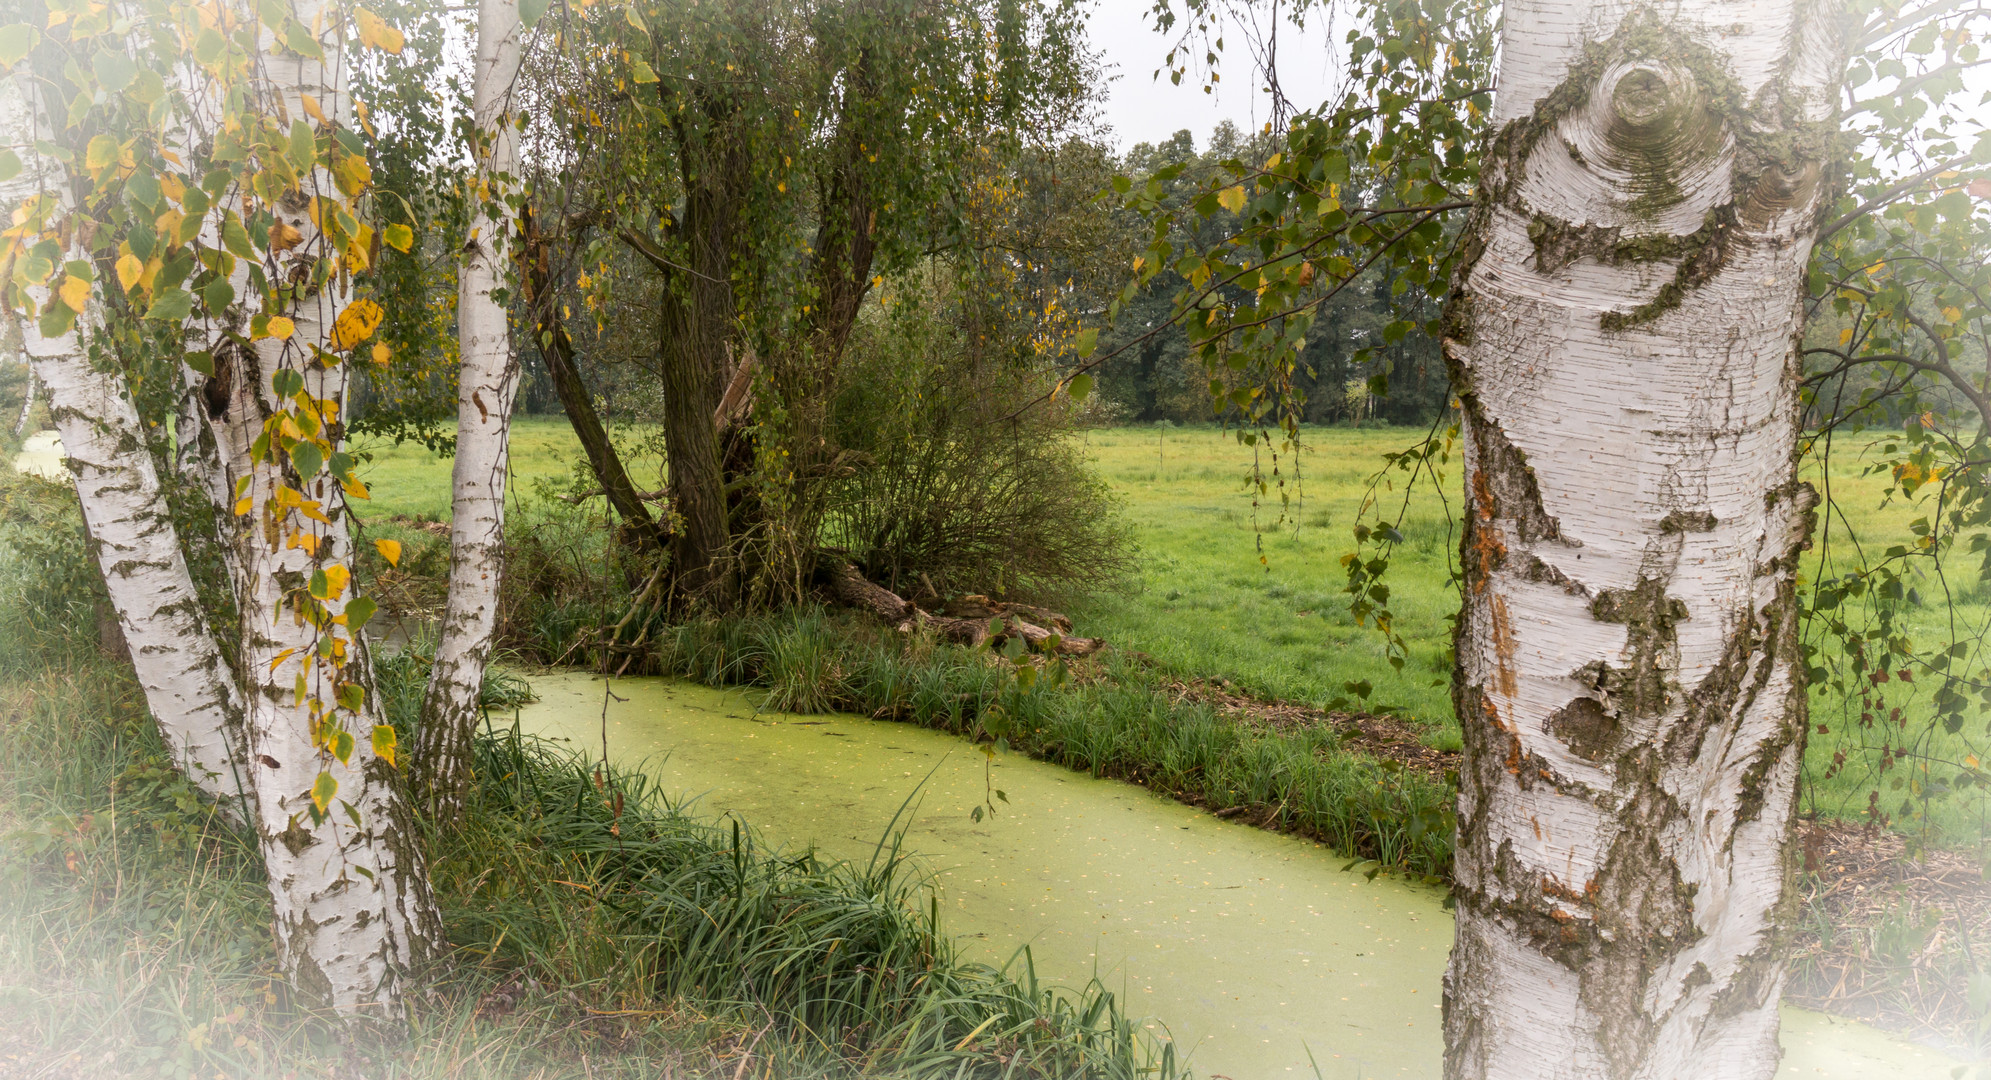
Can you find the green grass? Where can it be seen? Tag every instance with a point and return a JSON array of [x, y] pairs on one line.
[[408, 480], [1207, 606], [1253, 595], [596, 930]]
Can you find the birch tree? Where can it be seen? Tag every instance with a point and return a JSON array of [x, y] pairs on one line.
[[190, 687], [1624, 318], [1625, 333], [486, 385], [353, 911], [217, 180]]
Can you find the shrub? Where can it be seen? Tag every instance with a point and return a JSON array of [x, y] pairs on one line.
[[955, 494]]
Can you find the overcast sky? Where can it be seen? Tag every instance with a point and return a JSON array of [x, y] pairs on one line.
[[1143, 109]]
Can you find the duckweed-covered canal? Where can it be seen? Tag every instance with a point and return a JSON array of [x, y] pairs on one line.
[[1255, 950]]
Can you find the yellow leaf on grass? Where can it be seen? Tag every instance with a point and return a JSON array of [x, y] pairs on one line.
[[75, 292], [389, 550], [382, 354], [355, 324], [281, 328], [130, 269]]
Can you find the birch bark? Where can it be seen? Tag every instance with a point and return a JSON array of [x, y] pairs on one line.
[[487, 381], [353, 912], [190, 688], [1624, 335]]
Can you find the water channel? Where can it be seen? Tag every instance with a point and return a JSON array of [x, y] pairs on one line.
[[41, 455], [1260, 954]]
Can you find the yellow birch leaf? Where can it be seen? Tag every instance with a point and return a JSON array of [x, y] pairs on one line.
[[102, 151], [129, 270], [389, 550], [312, 109], [355, 324], [283, 237], [335, 580], [281, 328], [1232, 198], [243, 506], [375, 33], [75, 292], [323, 788]]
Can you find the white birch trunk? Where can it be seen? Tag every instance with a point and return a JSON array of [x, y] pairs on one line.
[[190, 688], [353, 912], [1624, 334], [487, 382], [28, 397]]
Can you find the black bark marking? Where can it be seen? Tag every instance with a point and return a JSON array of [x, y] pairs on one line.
[[1585, 727], [1502, 473], [1687, 521], [295, 838], [1644, 687]]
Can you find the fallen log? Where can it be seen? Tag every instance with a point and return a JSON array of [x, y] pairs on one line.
[[971, 620]]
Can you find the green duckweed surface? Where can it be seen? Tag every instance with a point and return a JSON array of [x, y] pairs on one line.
[[1262, 956]]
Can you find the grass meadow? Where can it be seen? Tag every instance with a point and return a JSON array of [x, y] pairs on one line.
[[1247, 589]]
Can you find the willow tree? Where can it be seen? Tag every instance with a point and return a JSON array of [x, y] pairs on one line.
[[769, 164]]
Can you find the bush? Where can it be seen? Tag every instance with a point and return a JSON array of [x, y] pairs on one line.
[[954, 494], [567, 574]]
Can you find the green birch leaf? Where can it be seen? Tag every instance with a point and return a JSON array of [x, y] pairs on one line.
[[323, 789]]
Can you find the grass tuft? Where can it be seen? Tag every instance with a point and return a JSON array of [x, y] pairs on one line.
[[596, 929]]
